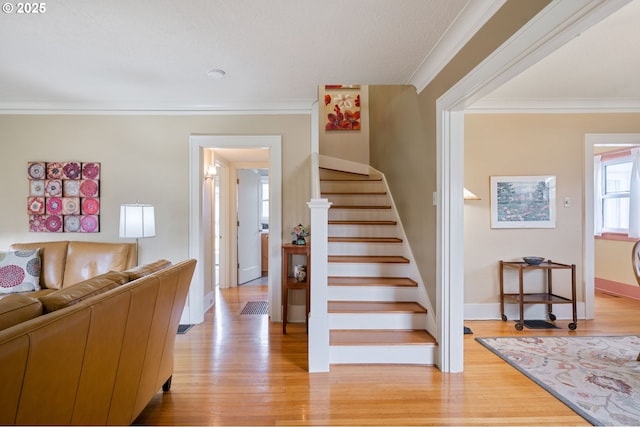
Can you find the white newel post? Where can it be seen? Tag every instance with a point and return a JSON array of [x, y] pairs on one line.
[[318, 316]]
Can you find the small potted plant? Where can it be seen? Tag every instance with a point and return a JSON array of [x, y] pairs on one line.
[[299, 234]]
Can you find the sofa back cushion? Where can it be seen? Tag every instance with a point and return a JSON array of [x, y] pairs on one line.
[[20, 271], [53, 256], [83, 290], [18, 308], [89, 259], [146, 269]]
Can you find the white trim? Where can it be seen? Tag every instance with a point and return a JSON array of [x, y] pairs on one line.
[[342, 165], [450, 239], [491, 311], [194, 310], [318, 342], [301, 107], [474, 15], [315, 128], [556, 106], [544, 33]]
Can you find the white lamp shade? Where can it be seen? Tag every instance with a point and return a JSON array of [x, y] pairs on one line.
[[137, 221]]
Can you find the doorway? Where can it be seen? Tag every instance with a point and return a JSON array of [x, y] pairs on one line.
[[271, 146]]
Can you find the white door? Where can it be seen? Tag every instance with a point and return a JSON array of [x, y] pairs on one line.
[[249, 253]]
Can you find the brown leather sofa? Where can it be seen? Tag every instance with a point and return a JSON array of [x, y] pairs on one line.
[[94, 353], [65, 263]]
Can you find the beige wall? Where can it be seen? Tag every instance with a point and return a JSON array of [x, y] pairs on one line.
[[144, 158], [407, 152], [613, 261], [352, 145], [522, 144]]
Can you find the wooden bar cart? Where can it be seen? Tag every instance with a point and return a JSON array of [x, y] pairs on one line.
[[549, 298]]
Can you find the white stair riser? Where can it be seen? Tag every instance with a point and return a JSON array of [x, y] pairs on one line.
[[377, 321], [353, 186], [368, 269], [362, 230], [358, 200], [364, 249], [361, 215], [371, 293], [400, 354]]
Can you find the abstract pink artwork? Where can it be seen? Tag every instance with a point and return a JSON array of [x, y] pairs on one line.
[[64, 197]]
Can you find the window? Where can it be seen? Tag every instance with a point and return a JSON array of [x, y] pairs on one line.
[[616, 179], [264, 200]]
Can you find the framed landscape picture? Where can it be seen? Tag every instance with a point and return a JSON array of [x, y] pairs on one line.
[[523, 201]]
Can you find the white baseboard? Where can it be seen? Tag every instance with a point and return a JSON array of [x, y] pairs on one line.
[[531, 311]]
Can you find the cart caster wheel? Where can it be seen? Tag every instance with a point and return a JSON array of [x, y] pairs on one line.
[[552, 317], [504, 318], [519, 326], [572, 326]]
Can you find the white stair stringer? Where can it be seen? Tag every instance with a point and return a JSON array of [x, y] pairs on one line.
[[350, 221]]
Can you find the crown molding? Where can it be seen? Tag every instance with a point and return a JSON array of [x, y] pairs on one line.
[[475, 14], [555, 106], [300, 107]]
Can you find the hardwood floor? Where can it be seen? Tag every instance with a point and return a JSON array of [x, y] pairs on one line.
[[240, 370]]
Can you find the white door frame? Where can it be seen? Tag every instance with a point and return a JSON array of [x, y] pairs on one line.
[[222, 179], [555, 25], [195, 307]]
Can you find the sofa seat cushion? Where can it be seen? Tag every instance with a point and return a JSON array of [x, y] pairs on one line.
[[18, 308], [20, 271], [32, 294], [146, 269], [53, 256], [83, 290]]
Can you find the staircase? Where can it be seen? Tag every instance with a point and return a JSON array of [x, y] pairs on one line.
[[375, 314]]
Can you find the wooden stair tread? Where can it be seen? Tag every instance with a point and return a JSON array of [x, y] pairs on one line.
[[360, 207], [364, 239], [381, 337], [375, 307], [369, 259], [359, 222], [371, 281]]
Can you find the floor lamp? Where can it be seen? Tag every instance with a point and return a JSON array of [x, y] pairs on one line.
[[137, 221]]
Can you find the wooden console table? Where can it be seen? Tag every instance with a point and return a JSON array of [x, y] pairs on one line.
[[549, 298], [290, 282]]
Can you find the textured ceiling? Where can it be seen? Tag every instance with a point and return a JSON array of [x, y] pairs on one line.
[[155, 54]]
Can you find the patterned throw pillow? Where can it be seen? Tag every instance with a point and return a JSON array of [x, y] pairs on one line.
[[20, 271]]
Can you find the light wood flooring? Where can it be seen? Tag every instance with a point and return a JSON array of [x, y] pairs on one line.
[[240, 370]]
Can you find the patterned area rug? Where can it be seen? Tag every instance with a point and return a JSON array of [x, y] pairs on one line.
[[256, 307], [598, 377]]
